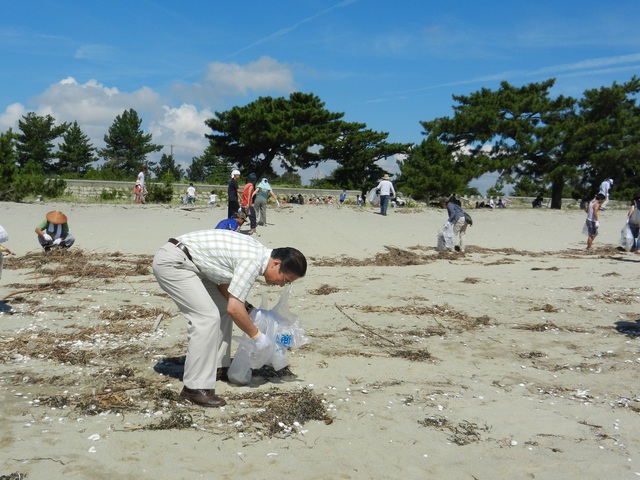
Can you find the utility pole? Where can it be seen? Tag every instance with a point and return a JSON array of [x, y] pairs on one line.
[[171, 151]]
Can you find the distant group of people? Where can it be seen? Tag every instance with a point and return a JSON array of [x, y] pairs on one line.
[[296, 199], [492, 203], [599, 204], [251, 200]]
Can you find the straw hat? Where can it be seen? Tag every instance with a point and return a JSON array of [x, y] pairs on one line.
[[385, 177], [56, 217]]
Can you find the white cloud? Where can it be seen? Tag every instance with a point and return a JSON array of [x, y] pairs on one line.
[[180, 129], [9, 119], [93, 105], [184, 129], [264, 74]]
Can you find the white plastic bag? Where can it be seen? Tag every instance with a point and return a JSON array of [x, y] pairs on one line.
[[373, 198], [281, 327], [4, 236], [445, 238], [626, 238], [240, 369]]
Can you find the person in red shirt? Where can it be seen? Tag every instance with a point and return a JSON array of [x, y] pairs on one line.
[[247, 202]]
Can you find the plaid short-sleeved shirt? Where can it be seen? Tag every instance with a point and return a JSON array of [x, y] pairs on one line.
[[227, 257]]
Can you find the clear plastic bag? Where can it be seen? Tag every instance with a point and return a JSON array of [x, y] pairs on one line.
[[626, 238], [4, 236], [445, 238], [373, 198], [280, 327]]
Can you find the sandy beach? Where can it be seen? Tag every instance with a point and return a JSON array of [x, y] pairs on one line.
[[518, 359]]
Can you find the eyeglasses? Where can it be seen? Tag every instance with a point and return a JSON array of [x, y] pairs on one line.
[[285, 282]]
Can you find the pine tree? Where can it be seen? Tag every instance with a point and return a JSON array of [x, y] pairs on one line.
[[75, 153], [127, 146]]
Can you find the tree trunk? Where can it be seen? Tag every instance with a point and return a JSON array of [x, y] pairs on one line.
[[556, 193]]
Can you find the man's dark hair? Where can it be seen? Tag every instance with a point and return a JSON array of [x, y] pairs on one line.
[[293, 261], [600, 196]]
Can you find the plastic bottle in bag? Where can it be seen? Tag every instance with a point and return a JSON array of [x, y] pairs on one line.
[[281, 327]]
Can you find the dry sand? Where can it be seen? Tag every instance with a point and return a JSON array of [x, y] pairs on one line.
[[518, 359]]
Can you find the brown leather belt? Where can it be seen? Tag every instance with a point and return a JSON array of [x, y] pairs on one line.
[[182, 247]]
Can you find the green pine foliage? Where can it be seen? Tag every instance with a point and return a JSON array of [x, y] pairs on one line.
[[127, 147], [431, 170], [288, 130], [75, 153], [160, 193]]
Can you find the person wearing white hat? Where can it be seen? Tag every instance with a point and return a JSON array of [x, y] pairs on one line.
[[386, 190], [54, 231], [604, 190], [233, 194]]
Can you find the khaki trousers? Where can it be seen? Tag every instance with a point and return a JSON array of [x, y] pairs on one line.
[[459, 229], [209, 325]]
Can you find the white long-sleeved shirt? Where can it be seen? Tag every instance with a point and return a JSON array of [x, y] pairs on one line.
[[386, 188]]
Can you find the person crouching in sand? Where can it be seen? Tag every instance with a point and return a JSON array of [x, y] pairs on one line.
[[54, 231]]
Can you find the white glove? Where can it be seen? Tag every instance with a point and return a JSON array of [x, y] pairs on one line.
[[597, 224], [261, 352], [277, 203], [57, 241], [261, 342], [47, 237]]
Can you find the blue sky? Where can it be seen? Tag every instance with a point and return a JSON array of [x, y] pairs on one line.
[[389, 64]]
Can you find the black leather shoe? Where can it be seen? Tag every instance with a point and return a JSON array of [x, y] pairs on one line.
[[203, 397]]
